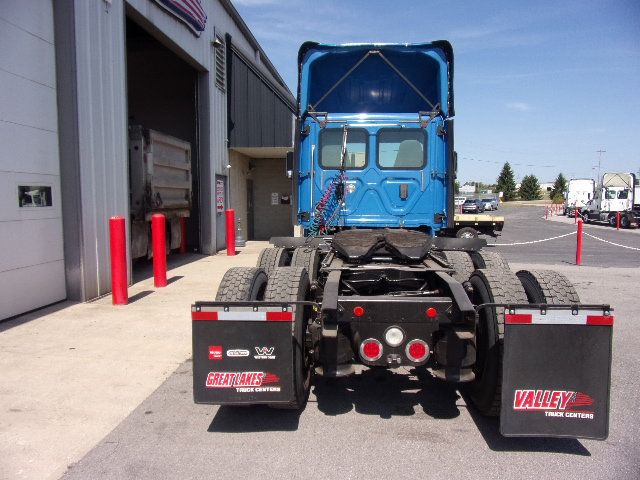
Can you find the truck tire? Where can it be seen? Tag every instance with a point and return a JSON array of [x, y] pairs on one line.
[[491, 286], [309, 258], [467, 232], [241, 284], [489, 259], [612, 220], [547, 286], [271, 258], [461, 263], [290, 284], [625, 222]]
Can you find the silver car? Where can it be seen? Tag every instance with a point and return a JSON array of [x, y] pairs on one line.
[[490, 203]]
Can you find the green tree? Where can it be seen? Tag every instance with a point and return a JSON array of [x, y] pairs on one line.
[[456, 187], [506, 183], [530, 188], [559, 187]]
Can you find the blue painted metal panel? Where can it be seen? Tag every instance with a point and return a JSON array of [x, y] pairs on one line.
[[365, 93]]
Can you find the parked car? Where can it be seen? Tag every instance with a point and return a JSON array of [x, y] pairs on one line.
[[459, 201], [490, 203], [473, 205]]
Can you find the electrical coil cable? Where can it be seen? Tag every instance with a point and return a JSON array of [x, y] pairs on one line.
[[327, 208]]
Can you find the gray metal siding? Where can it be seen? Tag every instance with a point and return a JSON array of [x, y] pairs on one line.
[[32, 264], [260, 117], [93, 133]]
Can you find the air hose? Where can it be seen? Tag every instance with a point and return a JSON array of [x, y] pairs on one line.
[[325, 211]]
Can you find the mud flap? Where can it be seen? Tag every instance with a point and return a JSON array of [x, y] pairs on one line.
[[242, 354], [556, 372]]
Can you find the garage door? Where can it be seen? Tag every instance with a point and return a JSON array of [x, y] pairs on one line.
[[31, 263]]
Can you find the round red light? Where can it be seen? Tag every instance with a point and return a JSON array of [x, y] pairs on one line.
[[358, 311], [417, 350], [431, 312], [371, 349]]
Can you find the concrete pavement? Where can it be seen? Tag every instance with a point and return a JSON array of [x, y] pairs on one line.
[[71, 372]]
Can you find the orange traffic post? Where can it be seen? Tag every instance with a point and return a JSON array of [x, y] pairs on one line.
[[579, 244], [118, 249], [183, 235], [159, 243], [231, 232]]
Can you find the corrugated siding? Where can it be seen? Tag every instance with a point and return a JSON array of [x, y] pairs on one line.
[[219, 162], [95, 137], [260, 118]]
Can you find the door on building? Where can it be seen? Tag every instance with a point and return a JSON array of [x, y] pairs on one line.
[[249, 209], [221, 199]]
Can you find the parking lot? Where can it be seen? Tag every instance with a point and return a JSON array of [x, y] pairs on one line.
[[383, 425], [526, 225], [395, 424]]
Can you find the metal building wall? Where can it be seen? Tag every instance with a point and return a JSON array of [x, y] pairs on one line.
[[261, 115], [93, 137], [31, 264], [91, 76]]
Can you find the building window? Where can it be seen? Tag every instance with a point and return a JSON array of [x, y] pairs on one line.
[[220, 53], [34, 196]]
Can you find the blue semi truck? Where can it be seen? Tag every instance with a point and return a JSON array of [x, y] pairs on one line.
[[370, 284]]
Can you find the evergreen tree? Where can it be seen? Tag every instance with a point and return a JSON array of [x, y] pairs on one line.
[[559, 187], [456, 187], [530, 188], [506, 183]]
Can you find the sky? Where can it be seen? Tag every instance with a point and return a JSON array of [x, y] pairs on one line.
[[542, 85]]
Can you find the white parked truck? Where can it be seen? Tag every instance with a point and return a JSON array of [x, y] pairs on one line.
[[618, 193], [579, 192], [159, 182]]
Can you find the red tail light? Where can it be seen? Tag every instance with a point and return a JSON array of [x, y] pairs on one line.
[[371, 349], [431, 312], [358, 311], [417, 350]]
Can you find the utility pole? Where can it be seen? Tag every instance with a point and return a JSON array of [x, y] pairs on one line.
[[599, 152]]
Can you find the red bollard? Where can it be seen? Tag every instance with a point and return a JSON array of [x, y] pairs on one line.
[[183, 235], [546, 213], [617, 220], [575, 215], [579, 244], [159, 242], [118, 247], [231, 232]]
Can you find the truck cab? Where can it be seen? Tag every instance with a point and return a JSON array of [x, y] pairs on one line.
[[375, 137]]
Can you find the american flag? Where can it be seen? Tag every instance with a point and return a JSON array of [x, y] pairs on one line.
[[189, 11]]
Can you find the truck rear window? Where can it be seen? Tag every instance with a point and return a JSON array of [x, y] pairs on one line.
[[331, 148], [401, 149]]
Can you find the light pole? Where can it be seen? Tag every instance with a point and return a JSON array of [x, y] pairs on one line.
[[599, 152]]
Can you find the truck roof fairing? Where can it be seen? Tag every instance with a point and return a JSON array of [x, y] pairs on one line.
[[374, 78]]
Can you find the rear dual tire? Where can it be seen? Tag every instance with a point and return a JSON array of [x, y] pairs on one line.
[[491, 286], [271, 258], [291, 284], [547, 286]]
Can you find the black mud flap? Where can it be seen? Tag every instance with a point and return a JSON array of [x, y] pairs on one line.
[[556, 372], [242, 355]]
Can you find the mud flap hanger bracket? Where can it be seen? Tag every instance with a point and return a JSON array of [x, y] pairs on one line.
[[544, 307]]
